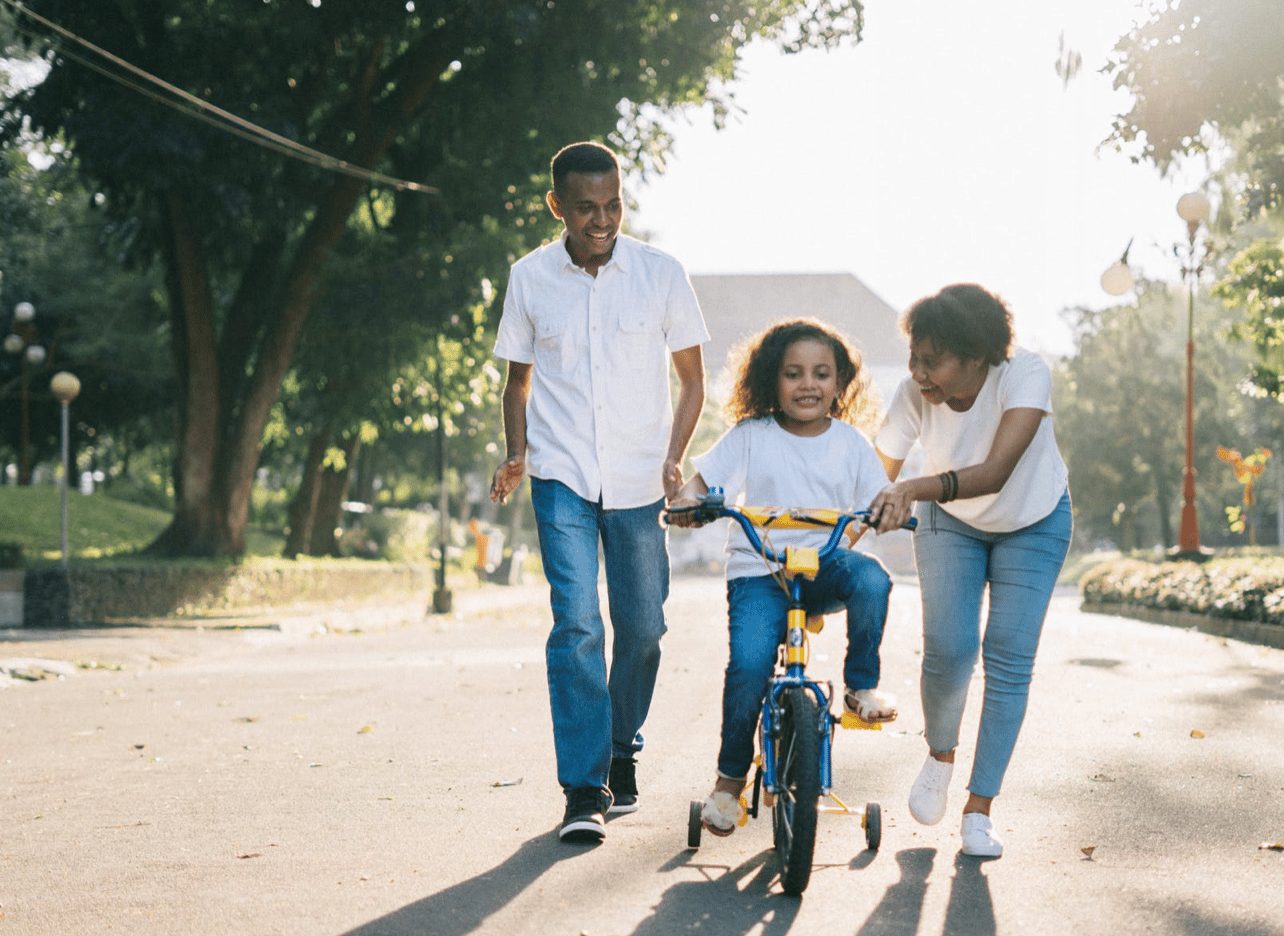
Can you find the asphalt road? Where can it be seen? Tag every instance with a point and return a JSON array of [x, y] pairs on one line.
[[399, 779]]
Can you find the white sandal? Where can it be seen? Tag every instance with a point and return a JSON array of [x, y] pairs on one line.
[[870, 705], [721, 813]]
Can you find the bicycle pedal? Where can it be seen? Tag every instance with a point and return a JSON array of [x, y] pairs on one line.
[[852, 720]]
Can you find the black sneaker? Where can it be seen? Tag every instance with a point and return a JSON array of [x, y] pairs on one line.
[[585, 819], [623, 782]]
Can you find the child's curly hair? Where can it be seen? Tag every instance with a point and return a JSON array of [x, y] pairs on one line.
[[754, 395]]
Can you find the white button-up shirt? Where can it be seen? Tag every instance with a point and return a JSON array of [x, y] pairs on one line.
[[599, 412]]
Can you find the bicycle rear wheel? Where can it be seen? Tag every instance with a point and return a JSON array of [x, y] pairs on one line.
[[798, 768]]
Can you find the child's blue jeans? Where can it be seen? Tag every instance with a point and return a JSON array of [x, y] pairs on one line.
[[756, 610], [957, 564]]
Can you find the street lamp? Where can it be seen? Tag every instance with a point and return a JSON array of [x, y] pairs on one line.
[[24, 340], [65, 387], [1194, 209], [1118, 278]]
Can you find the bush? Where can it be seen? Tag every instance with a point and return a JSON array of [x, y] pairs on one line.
[[398, 535], [143, 589], [10, 555], [1249, 589]]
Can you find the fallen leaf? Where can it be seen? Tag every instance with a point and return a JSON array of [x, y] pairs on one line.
[[499, 783], [314, 764], [1088, 850], [1196, 733], [365, 729], [1271, 846], [251, 855], [1101, 778], [248, 719], [139, 747], [1136, 734]]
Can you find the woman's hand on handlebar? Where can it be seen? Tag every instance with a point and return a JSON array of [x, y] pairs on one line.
[[892, 507]]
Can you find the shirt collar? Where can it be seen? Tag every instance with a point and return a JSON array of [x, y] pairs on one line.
[[619, 256]]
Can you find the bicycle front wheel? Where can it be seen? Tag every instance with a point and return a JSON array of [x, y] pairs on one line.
[[798, 770]]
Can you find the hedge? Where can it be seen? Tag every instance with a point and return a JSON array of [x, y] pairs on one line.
[[1245, 589], [124, 591]]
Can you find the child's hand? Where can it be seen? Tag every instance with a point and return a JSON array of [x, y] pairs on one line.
[[684, 519]]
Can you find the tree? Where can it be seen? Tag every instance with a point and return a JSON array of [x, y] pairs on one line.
[[58, 252], [471, 95], [1119, 403], [1200, 70]]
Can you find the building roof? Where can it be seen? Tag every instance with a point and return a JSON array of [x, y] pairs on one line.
[[739, 305]]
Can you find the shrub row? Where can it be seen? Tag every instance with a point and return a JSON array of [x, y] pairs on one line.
[[1246, 589], [122, 591]]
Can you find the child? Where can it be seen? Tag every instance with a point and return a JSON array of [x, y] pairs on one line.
[[792, 446]]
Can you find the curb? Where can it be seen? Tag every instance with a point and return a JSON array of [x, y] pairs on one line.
[[1255, 632]]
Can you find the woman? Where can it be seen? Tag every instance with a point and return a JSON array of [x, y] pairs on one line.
[[995, 515]]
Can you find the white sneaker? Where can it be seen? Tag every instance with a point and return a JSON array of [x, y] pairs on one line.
[[930, 791], [979, 838]]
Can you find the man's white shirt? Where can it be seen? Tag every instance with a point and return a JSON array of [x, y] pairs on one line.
[[599, 412]]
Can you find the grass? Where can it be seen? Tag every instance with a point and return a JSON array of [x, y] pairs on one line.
[[98, 525]]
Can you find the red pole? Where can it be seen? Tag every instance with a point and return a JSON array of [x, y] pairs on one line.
[[1188, 537]]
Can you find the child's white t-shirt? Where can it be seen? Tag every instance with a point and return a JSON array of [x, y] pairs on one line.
[[953, 440], [760, 464]]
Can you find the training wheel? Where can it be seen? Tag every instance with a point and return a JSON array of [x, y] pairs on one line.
[[694, 825], [873, 823]]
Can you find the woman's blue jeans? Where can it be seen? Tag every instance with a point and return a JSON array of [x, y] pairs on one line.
[[596, 717], [756, 611], [957, 563]]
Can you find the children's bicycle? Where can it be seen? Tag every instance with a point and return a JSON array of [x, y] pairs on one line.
[[796, 728]]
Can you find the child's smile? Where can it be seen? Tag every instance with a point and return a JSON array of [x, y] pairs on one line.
[[806, 387]]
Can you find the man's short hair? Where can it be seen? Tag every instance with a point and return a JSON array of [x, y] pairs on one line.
[[586, 157]]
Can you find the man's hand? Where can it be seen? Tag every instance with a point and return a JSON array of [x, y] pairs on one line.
[[507, 477], [671, 475]]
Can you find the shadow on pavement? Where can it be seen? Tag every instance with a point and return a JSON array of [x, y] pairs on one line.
[[901, 908], [738, 900], [463, 907], [971, 910]]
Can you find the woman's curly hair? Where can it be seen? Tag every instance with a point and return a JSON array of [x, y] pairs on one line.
[[759, 359]]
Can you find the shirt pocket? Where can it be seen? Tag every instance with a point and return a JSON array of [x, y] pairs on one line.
[[641, 338], [550, 344]]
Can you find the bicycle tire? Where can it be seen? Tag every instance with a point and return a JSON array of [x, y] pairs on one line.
[[798, 768]]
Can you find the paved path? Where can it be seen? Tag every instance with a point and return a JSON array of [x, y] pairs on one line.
[[401, 781]]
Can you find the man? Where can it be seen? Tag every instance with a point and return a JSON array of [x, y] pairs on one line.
[[589, 324]]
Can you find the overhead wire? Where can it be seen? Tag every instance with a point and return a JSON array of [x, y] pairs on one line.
[[204, 111]]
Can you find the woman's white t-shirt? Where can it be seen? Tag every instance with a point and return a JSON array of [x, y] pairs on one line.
[[953, 440], [758, 463]]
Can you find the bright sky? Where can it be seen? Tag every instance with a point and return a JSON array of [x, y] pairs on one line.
[[942, 148]]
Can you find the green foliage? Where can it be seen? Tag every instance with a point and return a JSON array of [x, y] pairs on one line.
[[98, 525], [124, 590], [1244, 588], [1200, 69], [398, 535], [1119, 404], [1253, 285], [262, 252]]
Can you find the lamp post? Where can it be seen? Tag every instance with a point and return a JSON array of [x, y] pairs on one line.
[[1194, 209], [23, 339], [65, 387]]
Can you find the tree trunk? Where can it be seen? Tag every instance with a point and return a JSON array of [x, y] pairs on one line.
[[333, 492], [303, 509]]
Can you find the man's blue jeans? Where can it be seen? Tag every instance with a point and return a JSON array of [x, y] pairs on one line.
[[956, 565], [596, 718], [756, 610]]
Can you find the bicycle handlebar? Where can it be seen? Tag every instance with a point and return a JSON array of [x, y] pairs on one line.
[[713, 506]]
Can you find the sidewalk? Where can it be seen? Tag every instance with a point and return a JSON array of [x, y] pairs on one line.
[[401, 780]]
